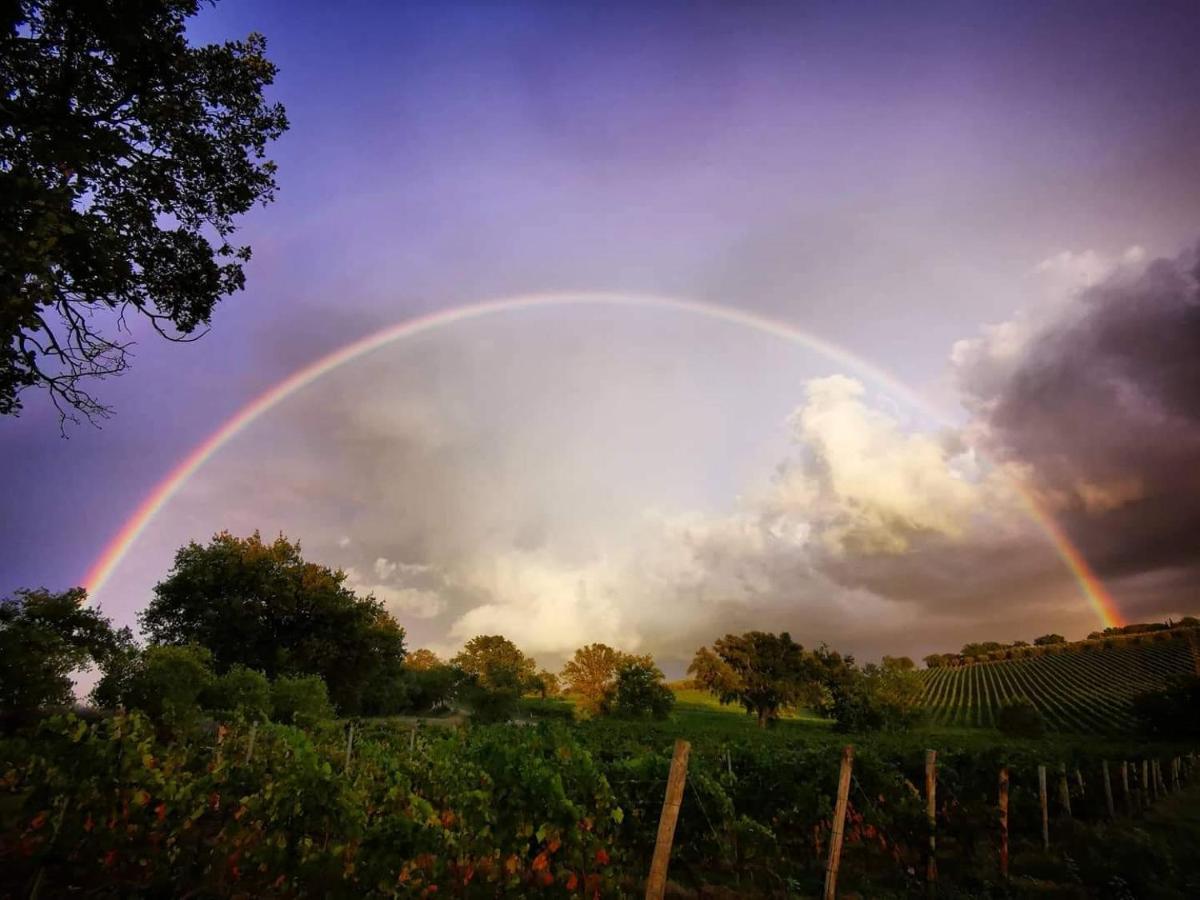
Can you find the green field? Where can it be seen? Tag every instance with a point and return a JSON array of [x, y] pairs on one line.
[[1081, 688]]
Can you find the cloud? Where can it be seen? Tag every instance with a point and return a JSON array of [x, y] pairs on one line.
[[1100, 406]]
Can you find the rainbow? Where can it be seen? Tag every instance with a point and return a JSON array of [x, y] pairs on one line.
[[116, 549]]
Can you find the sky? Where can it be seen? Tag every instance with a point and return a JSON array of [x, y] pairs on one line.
[[996, 204]]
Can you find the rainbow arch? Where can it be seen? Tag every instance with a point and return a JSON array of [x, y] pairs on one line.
[[116, 549]]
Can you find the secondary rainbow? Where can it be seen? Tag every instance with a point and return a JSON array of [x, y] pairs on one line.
[[104, 566]]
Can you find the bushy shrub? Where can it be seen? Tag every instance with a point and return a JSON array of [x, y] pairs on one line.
[[1173, 711], [489, 706], [639, 693], [240, 692], [168, 682], [1020, 718], [300, 700]]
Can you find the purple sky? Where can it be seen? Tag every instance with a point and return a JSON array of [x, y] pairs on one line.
[[892, 177]]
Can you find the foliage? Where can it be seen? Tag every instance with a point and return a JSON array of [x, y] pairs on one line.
[[888, 697], [1020, 718], [545, 684], [168, 682], [434, 687], [1173, 711], [44, 637], [591, 674], [494, 662], [422, 659], [300, 700], [1047, 639], [763, 672], [639, 692], [240, 692], [125, 157], [263, 606]]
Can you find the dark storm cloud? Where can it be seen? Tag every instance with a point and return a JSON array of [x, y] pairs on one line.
[[1104, 407]]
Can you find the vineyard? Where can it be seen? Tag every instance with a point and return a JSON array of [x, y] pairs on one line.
[[1083, 688]]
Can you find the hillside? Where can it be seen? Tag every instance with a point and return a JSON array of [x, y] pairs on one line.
[[1084, 687]]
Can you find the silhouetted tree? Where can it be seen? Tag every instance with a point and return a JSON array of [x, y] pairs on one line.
[[639, 692], [1047, 639], [125, 157], [263, 606], [44, 638]]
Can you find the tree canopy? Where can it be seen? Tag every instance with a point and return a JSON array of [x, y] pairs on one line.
[[763, 672], [126, 156], [495, 663], [592, 672], [44, 638], [263, 606]]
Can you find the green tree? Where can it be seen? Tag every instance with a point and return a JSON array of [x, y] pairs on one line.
[[592, 672], [44, 638], [168, 682], [639, 692], [240, 692], [763, 672], [126, 156], [545, 684], [300, 700], [263, 606], [1047, 639], [494, 662]]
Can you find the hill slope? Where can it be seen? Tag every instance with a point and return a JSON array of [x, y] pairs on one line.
[[1084, 687]]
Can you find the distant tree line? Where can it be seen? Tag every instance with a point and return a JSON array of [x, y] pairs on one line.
[[993, 650]]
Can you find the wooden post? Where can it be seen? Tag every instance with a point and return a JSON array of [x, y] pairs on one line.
[[1064, 790], [1004, 823], [1045, 808], [1125, 788], [1144, 784], [412, 739], [1175, 780], [839, 824], [931, 815], [1108, 798], [656, 884], [1079, 781], [250, 744], [1154, 778], [349, 744]]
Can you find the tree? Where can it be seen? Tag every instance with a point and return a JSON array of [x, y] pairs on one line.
[[168, 682], [496, 663], [263, 606], [903, 663], [545, 683], [592, 672], [639, 692], [126, 156], [421, 660], [495, 675], [44, 638], [763, 672], [300, 700], [240, 692], [1047, 639]]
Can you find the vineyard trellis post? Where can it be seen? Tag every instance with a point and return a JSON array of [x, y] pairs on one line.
[[349, 745], [1108, 797], [250, 743], [931, 815], [1045, 808], [1125, 787], [1144, 784], [656, 883], [1079, 781], [1175, 775], [1064, 790], [1153, 776], [839, 823], [1004, 823]]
